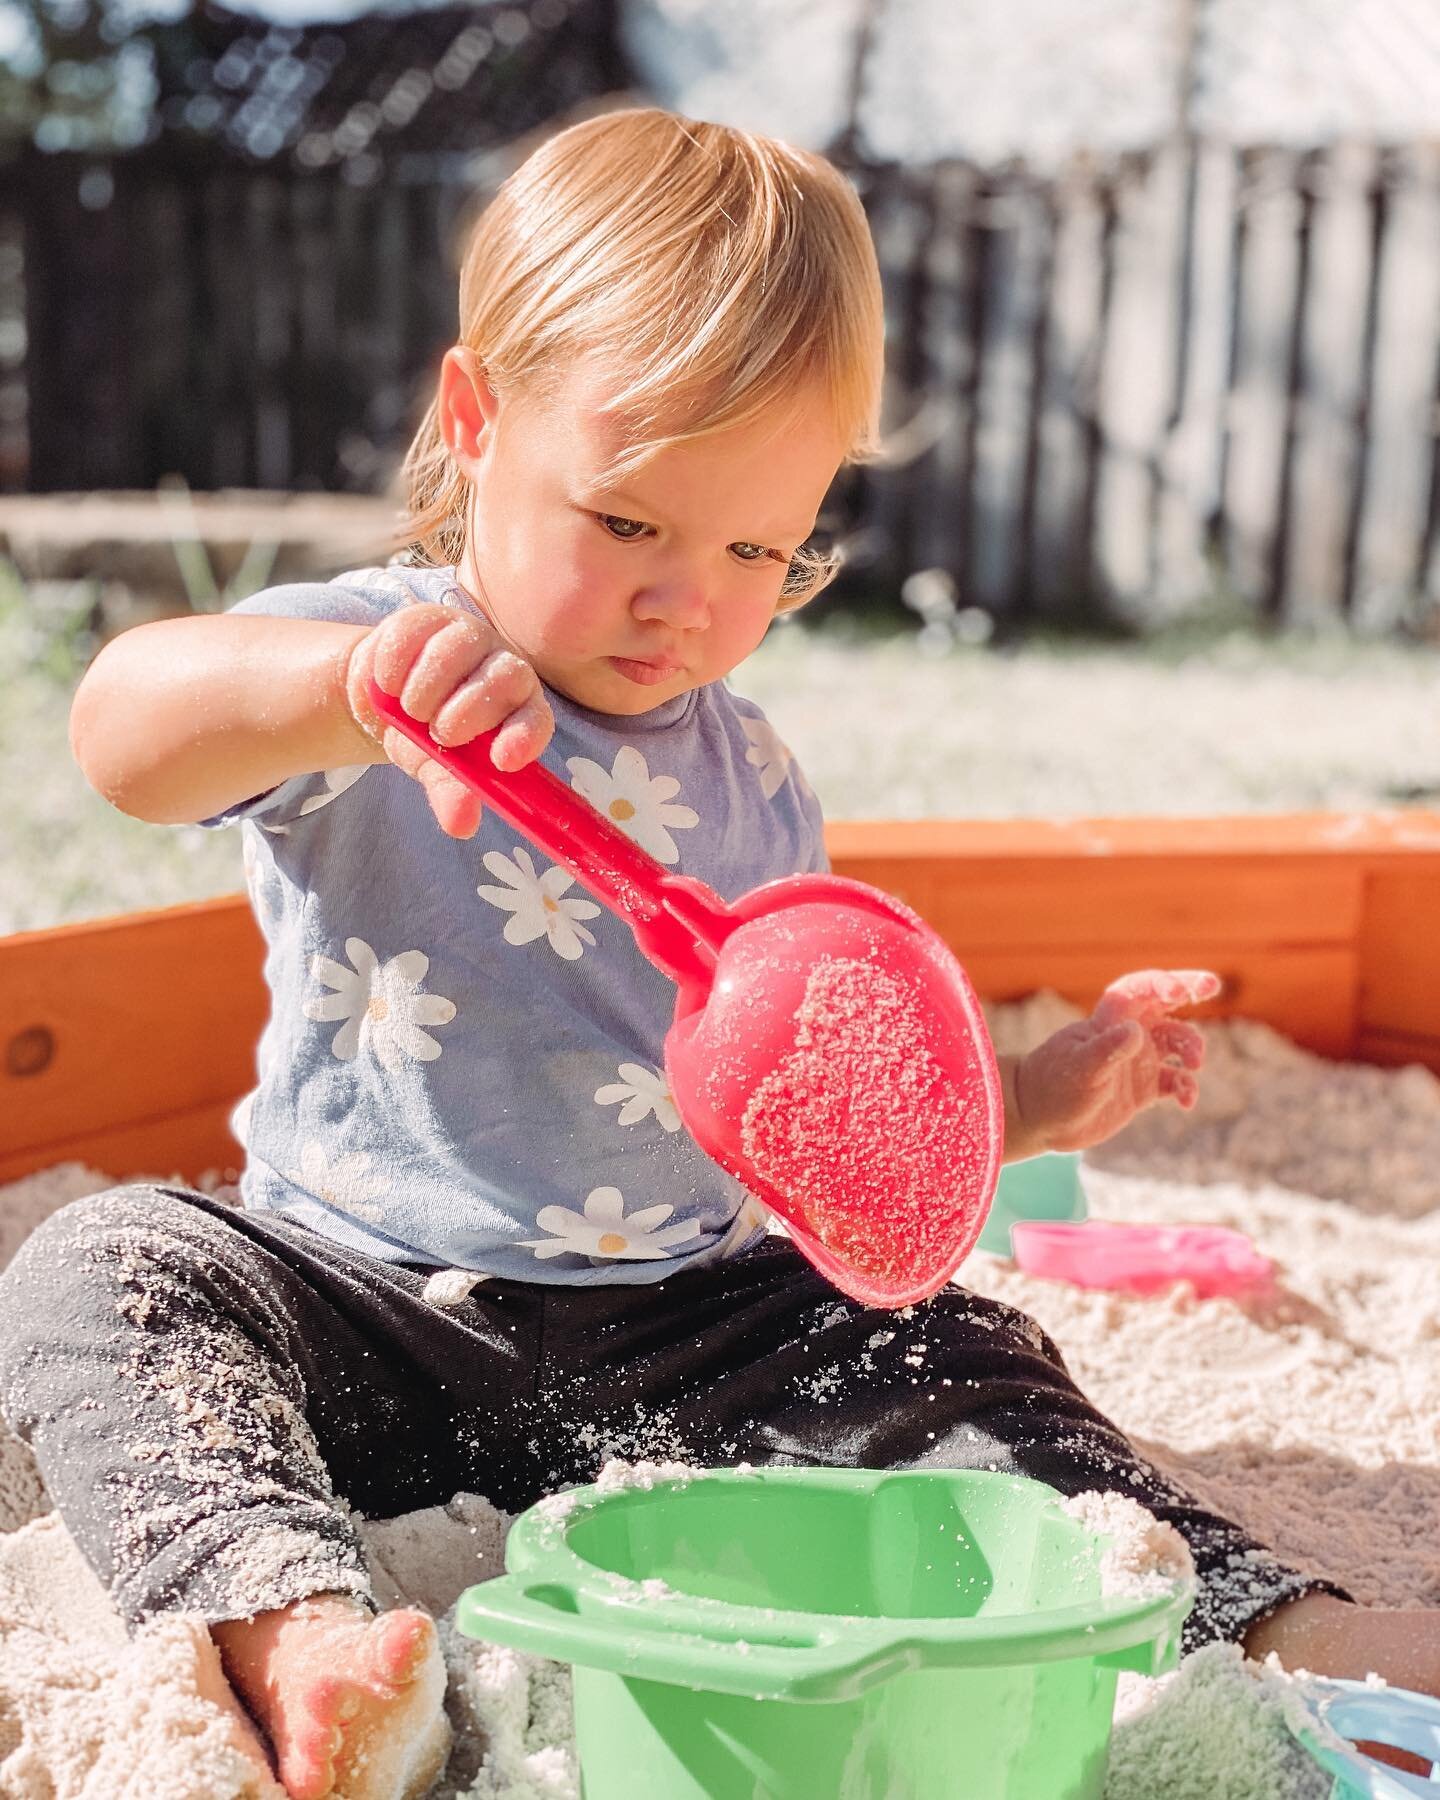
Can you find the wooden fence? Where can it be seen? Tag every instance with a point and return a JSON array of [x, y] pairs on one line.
[[1202, 371], [1194, 373]]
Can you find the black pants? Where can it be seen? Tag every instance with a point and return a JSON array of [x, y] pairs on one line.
[[202, 1385]]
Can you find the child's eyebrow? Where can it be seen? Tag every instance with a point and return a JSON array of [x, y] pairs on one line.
[[645, 511]]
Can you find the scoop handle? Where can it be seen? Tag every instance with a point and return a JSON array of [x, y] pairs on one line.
[[678, 922]]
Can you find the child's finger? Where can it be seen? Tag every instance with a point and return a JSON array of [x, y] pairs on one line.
[[1178, 1038], [1146, 994], [500, 686], [457, 808], [1179, 1085], [524, 734], [400, 639], [442, 664]]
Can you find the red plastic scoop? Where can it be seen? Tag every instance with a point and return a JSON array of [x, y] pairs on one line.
[[827, 1049]]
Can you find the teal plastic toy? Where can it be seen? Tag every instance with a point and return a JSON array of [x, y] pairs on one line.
[[789, 1633], [1341, 1710], [1042, 1187]]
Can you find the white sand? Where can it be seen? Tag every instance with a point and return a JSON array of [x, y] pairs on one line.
[[1312, 1415]]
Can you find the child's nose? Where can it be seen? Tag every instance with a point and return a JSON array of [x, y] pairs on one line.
[[682, 604]]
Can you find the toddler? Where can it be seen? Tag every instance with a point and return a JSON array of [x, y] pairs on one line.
[[478, 1251]]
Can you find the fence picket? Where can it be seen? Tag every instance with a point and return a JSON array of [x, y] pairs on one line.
[[1190, 472], [1059, 559], [1137, 378], [1326, 465], [1257, 419], [1402, 416], [1015, 254]]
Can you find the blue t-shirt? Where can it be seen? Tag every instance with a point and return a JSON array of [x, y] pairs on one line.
[[463, 1062]]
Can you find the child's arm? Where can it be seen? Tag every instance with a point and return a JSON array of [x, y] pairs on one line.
[[1088, 1081], [178, 720]]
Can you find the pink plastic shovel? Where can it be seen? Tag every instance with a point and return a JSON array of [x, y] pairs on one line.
[[827, 1049]]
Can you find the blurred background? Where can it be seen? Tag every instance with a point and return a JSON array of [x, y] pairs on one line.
[[1158, 523]]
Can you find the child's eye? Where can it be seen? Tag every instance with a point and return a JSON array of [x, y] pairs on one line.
[[627, 530], [751, 552]]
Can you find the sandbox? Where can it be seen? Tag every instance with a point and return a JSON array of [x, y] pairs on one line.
[[1311, 1414]]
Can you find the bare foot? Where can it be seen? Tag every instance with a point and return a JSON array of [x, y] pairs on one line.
[[351, 1703]]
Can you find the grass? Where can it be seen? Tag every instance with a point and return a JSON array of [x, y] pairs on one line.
[[1190, 722]]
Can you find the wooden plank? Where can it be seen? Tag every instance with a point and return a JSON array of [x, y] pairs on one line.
[[1402, 421], [1326, 456], [902, 217], [1400, 952], [1397, 1050], [126, 1019], [1309, 994], [1138, 378], [1059, 559], [1257, 418], [1191, 462], [186, 1145], [1404, 836], [1106, 901], [1016, 253], [940, 532]]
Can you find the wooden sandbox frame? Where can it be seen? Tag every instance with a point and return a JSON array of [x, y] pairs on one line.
[[125, 1042]]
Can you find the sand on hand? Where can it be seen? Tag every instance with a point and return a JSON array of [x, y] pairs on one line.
[[1311, 1414]]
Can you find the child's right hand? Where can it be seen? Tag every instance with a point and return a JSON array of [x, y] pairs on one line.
[[450, 670]]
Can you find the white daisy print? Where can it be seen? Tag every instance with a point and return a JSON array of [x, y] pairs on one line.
[[345, 1184], [336, 782], [643, 1090], [768, 753], [381, 1004], [534, 904], [604, 1230], [639, 803]]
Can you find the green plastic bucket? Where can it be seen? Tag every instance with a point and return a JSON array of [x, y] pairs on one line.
[[1041, 1187], [828, 1634]]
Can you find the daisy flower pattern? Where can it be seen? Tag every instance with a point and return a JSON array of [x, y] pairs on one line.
[[381, 1004], [639, 803], [768, 753], [344, 1184], [643, 1091], [535, 906], [604, 1231]]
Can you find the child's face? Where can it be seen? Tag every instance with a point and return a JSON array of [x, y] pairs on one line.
[[624, 597]]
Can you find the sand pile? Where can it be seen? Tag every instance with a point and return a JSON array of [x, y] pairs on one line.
[[1311, 1414]]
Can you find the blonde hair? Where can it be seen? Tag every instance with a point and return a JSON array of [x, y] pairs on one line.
[[716, 271]]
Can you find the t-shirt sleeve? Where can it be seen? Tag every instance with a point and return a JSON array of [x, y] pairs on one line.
[[336, 602]]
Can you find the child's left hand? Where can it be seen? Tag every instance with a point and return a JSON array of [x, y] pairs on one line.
[[1088, 1081]]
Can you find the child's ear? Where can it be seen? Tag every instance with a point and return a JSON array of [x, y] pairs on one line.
[[467, 407]]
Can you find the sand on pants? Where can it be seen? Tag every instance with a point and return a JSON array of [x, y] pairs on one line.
[[1311, 1414]]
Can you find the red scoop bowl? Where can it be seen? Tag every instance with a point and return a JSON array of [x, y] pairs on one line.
[[827, 1049]]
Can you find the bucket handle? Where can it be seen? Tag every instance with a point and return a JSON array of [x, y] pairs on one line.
[[543, 1618], [1393, 1716], [546, 1618]]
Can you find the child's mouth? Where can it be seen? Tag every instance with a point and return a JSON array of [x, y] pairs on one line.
[[646, 674]]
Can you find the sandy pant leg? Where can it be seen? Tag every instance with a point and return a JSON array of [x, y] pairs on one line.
[[153, 1359]]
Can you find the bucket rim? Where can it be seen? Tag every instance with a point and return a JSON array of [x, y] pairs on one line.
[[554, 1602]]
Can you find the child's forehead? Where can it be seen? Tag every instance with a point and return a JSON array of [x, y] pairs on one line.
[[782, 460]]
